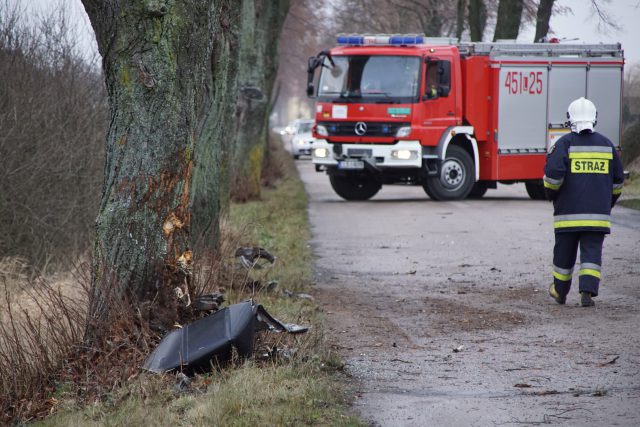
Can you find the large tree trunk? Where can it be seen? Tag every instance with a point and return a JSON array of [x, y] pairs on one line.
[[477, 19], [211, 177], [509, 16], [460, 12], [260, 28], [157, 64], [542, 20]]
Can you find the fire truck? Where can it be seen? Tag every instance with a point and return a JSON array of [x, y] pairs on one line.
[[455, 118]]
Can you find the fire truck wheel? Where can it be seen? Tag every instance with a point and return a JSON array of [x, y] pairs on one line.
[[455, 178], [478, 190], [351, 187], [535, 190]]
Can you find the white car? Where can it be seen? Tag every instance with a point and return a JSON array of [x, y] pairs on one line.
[[301, 140]]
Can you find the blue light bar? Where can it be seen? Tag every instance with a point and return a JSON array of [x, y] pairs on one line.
[[380, 39]]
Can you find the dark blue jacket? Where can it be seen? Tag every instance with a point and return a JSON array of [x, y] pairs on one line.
[[584, 177]]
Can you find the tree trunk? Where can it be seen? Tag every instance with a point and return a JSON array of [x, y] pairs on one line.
[[477, 19], [509, 16], [157, 64], [211, 178], [260, 28], [460, 11], [542, 20]]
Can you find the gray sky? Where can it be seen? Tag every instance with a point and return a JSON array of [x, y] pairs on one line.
[[580, 24], [583, 25]]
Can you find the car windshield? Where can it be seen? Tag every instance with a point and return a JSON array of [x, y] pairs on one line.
[[384, 78], [304, 127]]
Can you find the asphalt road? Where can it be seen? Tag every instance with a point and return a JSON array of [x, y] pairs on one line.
[[441, 311]]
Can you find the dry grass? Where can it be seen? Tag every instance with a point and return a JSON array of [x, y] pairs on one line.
[[45, 368]]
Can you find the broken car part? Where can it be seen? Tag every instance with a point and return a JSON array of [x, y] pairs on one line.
[[250, 258], [200, 345]]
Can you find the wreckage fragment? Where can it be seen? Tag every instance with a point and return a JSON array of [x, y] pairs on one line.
[[250, 258], [200, 345]]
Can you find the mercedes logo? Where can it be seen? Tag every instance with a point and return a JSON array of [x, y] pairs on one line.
[[360, 128]]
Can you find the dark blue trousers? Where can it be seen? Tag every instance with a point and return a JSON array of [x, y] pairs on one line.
[[564, 257]]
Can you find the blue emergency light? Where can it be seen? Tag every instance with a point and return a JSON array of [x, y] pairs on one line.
[[380, 39]]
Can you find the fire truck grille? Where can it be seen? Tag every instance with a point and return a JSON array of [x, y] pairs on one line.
[[356, 129]]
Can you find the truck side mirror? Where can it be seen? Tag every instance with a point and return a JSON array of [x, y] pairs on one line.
[[311, 90]]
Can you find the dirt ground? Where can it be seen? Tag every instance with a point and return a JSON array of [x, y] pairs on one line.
[[441, 311]]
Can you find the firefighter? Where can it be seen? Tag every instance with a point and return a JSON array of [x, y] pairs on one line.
[[583, 177]]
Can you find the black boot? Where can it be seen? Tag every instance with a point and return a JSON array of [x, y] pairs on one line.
[[586, 300], [560, 299]]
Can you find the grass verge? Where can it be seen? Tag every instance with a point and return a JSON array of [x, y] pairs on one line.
[[303, 389], [631, 192]]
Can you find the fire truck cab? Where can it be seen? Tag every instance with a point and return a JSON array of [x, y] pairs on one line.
[[455, 118]]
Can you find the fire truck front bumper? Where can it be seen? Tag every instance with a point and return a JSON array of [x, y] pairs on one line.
[[403, 154]]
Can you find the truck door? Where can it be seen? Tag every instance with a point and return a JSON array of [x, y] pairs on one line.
[[566, 83], [437, 99], [522, 109], [604, 89]]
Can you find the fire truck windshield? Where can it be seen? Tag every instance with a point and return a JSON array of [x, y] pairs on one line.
[[371, 78]]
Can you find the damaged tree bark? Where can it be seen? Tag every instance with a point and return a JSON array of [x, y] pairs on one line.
[[157, 63]]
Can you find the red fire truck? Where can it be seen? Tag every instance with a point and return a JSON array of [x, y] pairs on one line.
[[456, 118]]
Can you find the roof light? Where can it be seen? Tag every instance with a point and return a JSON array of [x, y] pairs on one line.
[[380, 39]]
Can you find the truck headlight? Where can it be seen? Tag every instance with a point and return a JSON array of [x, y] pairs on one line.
[[404, 154], [402, 132], [321, 153], [322, 130]]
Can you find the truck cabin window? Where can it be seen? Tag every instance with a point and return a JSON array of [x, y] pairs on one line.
[[366, 78], [437, 78]]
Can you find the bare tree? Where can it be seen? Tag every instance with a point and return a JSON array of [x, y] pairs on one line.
[[52, 119], [509, 19], [542, 19], [260, 26], [477, 19]]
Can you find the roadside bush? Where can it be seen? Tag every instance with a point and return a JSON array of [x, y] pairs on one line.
[[631, 144], [52, 121]]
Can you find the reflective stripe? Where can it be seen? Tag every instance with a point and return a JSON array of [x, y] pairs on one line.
[[617, 188], [563, 274], [562, 270], [551, 183], [589, 272], [595, 155], [571, 217], [582, 223], [563, 277], [589, 266], [590, 149]]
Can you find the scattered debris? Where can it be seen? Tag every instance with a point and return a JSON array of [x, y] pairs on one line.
[[276, 353], [209, 341], [522, 385], [182, 384], [250, 258], [600, 392], [610, 362], [300, 295], [208, 302], [256, 285], [458, 349], [545, 392]]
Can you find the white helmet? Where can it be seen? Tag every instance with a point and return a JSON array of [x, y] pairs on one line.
[[582, 115]]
